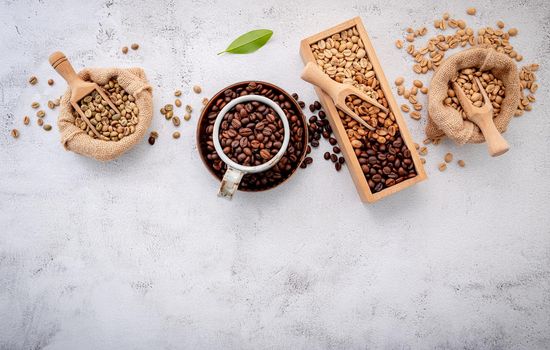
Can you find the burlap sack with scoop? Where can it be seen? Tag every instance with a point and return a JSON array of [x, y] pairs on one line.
[[74, 139], [444, 120]]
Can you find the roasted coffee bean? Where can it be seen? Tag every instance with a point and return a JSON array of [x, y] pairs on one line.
[[308, 160], [317, 105], [312, 108], [327, 155], [151, 140], [336, 149], [338, 166], [302, 104], [249, 117], [322, 115], [249, 123], [295, 96], [332, 141], [341, 160], [334, 158], [315, 143]]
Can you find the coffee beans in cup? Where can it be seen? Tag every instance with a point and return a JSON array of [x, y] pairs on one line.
[[297, 145], [251, 133]]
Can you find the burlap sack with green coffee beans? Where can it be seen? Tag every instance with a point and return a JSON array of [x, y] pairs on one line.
[[74, 139], [445, 120]]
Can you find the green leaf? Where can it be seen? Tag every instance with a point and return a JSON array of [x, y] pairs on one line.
[[249, 42]]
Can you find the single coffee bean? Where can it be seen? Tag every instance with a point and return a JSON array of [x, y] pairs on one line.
[[332, 141], [302, 104], [327, 155], [151, 140], [308, 160], [317, 105], [334, 158], [336, 149], [338, 166], [341, 160], [312, 108]]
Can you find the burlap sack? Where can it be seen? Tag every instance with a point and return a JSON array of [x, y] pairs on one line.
[[74, 139], [444, 120]]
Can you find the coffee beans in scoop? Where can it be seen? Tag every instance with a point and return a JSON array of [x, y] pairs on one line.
[[251, 133]]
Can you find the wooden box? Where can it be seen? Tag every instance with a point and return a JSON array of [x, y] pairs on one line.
[[338, 128]]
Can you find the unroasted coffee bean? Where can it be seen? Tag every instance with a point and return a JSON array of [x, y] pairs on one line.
[[248, 122]]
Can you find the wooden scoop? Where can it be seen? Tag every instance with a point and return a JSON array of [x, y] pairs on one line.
[[79, 87], [483, 118], [338, 92]]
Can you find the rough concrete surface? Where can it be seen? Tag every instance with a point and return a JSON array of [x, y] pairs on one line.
[[139, 253]]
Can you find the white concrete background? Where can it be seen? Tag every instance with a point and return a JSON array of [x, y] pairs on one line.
[[139, 253]]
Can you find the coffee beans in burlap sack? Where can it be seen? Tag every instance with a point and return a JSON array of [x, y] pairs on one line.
[[75, 139], [445, 120]]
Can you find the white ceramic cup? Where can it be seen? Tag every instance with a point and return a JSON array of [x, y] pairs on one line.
[[236, 171]]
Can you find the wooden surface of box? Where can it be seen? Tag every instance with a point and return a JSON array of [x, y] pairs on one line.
[[338, 127]]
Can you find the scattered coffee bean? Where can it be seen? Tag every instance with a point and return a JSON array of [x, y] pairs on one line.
[[26, 120], [188, 108], [176, 121], [332, 141], [177, 93], [336, 149], [125, 50], [204, 101], [186, 117], [317, 105], [295, 96], [151, 140], [154, 134], [327, 155], [461, 163], [442, 166], [334, 158], [47, 127], [197, 89], [50, 82], [341, 160], [176, 135], [471, 11], [14, 133], [448, 157], [35, 105], [312, 108], [134, 46], [177, 102], [338, 166], [40, 122], [41, 114], [33, 80], [308, 160]]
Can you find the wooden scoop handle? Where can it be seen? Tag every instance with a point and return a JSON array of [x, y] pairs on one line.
[[61, 64], [496, 143], [314, 75]]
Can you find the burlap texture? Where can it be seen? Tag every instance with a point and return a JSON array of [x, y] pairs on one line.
[[74, 139], [444, 120]]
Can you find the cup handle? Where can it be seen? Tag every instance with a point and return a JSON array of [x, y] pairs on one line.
[[230, 183]]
